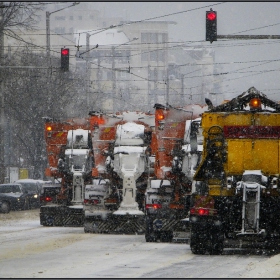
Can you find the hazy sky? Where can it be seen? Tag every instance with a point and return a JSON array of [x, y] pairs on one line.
[[232, 18]]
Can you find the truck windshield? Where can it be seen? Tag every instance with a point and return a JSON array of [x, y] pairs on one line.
[[77, 161], [30, 187]]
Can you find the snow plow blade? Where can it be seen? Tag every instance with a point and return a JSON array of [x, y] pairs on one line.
[[61, 216], [115, 224]]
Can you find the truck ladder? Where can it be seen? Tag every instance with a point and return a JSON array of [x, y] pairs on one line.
[[251, 208]]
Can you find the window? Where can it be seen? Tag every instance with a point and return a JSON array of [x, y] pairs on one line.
[[153, 56], [124, 75], [122, 56], [144, 37], [71, 30], [99, 75], [80, 17], [91, 17], [109, 75], [162, 37], [161, 55], [144, 56], [59, 18], [149, 37], [59, 30], [71, 17], [154, 38]]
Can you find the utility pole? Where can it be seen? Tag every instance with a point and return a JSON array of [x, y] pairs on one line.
[[149, 86], [87, 70], [114, 91], [182, 89], [167, 86], [155, 85], [2, 97], [48, 28], [114, 86]]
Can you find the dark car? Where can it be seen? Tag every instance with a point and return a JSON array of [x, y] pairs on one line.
[[33, 191], [12, 197], [49, 193]]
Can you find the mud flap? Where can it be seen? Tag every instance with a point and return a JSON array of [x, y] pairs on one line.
[[116, 224], [61, 216]]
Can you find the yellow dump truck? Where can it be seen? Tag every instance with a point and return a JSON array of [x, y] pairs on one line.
[[236, 202]]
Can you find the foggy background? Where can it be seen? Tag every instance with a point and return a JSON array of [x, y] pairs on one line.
[[246, 62]]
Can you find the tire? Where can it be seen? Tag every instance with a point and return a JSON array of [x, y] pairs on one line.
[[26, 205], [198, 248], [149, 237], [217, 243], [5, 207], [149, 232], [166, 236], [217, 249], [197, 245]]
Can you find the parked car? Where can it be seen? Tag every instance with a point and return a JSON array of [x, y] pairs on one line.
[[33, 188], [13, 197]]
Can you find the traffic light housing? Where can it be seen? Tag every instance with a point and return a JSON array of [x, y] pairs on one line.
[[211, 26], [64, 59]]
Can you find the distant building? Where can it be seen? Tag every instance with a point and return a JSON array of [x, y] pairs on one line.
[[124, 72]]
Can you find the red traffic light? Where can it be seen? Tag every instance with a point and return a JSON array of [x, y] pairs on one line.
[[211, 16], [65, 51]]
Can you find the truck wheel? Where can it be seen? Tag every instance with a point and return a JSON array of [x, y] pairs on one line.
[[197, 248], [197, 245], [217, 243], [150, 237], [217, 248], [5, 207], [166, 236]]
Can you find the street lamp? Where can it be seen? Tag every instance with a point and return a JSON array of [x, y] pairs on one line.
[[48, 26]]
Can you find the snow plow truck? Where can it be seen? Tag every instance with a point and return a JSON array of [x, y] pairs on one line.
[[114, 202], [236, 202], [70, 160], [176, 143]]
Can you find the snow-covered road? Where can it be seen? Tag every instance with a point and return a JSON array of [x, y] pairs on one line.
[[28, 250]]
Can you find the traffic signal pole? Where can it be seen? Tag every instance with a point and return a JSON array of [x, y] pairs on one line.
[[248, 37], [211, 31]]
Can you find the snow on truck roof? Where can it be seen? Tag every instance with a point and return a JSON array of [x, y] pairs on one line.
[[76, 152]]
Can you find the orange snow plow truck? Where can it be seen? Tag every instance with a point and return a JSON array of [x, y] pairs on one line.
[[237, 198], [70, 159], [176, 144]]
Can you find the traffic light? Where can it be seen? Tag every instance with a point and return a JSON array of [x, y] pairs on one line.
[[211, 26], [64, 59]]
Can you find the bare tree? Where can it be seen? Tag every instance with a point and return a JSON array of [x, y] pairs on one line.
[[31, 95], [19, 16]]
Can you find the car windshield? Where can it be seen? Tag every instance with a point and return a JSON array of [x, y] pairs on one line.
[[30, 187], [9, 189]]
